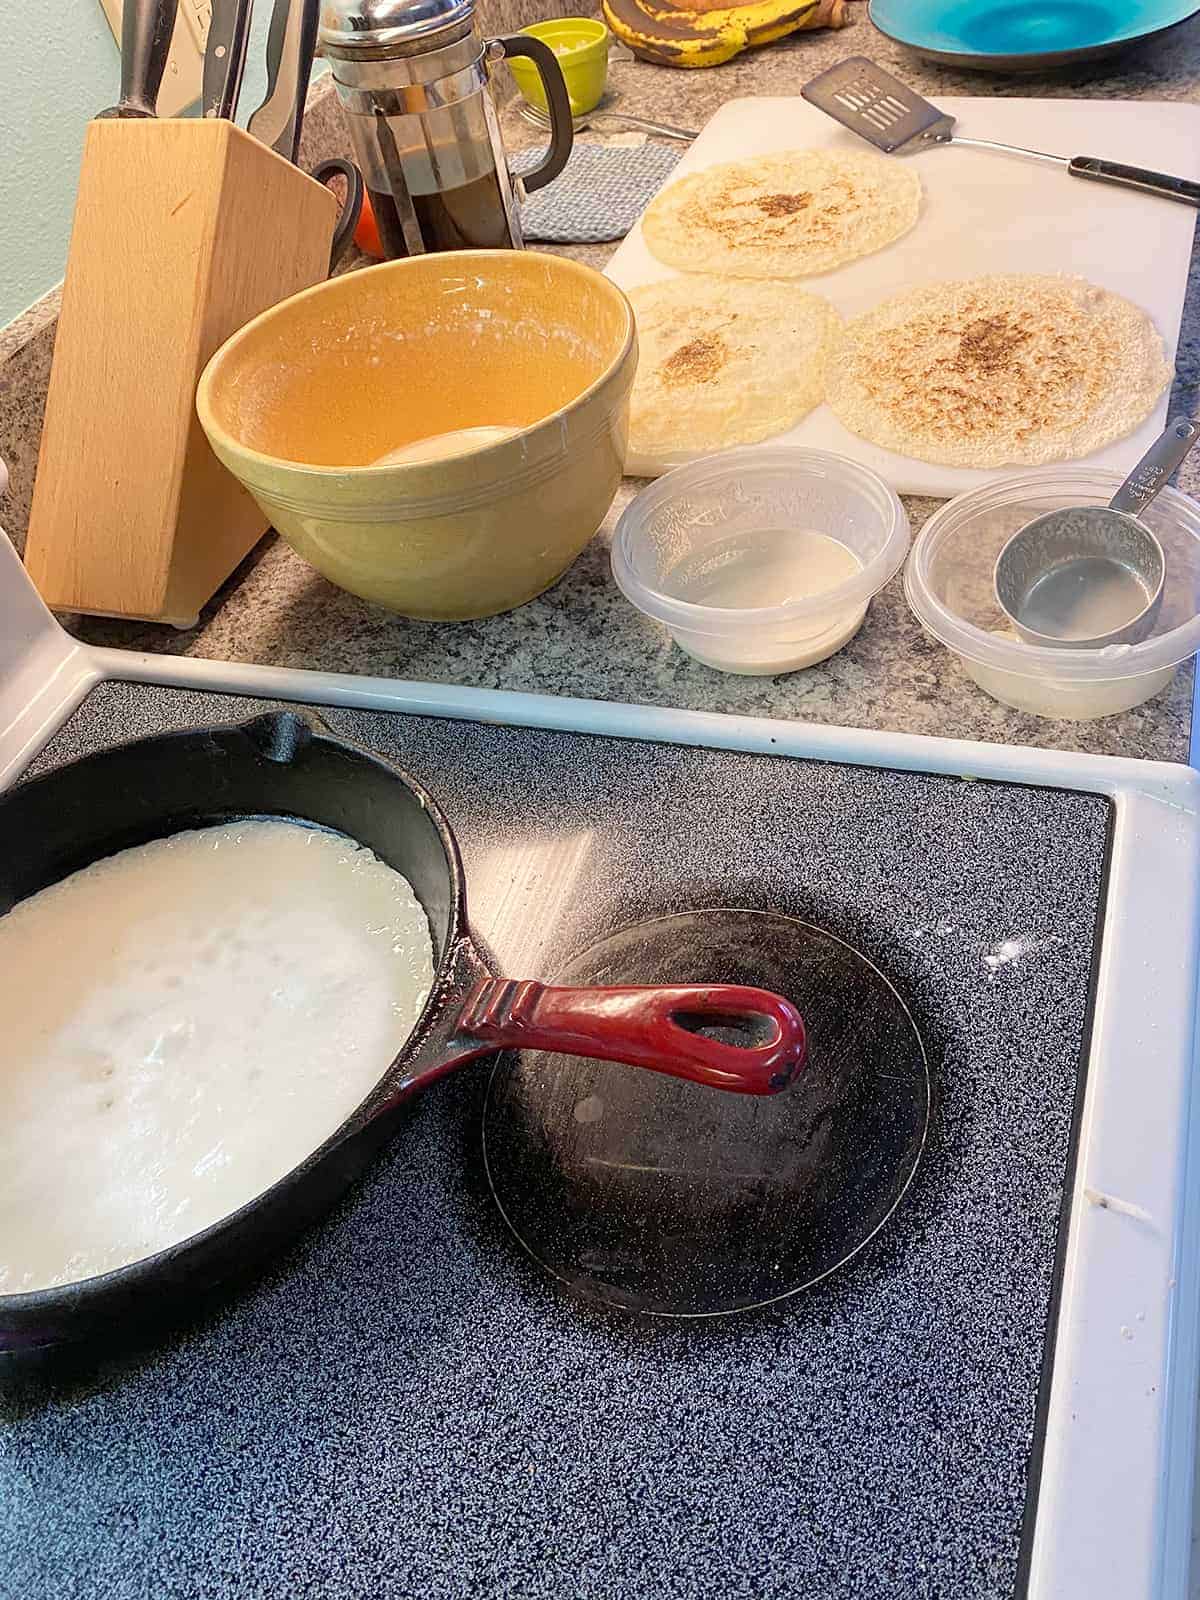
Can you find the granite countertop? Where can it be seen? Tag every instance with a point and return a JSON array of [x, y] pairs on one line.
[[583, 638]]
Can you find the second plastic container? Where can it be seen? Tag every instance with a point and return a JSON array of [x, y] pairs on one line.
[[949, 583], [761, 560]]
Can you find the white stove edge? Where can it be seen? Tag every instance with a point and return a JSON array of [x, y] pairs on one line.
[[1115, 1501]]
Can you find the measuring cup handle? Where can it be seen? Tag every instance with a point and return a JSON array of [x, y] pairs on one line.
[[1155, 467], [562, 128], [646, 1026]]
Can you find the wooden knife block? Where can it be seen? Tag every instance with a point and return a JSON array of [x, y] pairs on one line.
[[184, 231]]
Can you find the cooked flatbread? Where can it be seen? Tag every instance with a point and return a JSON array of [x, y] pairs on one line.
[[783, 216], [1013, 369], [722, 363]]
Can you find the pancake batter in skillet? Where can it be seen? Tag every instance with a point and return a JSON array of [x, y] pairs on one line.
[[183, 1023]]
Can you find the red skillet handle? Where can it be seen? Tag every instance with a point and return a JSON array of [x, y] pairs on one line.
[[644, 1027]]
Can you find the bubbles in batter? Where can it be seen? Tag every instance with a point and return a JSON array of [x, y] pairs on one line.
[[183, 1023]]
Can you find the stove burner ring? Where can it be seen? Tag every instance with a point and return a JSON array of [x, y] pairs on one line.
[[657, 1196]]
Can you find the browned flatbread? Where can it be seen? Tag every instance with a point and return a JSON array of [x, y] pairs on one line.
[[1013, 369], [783, 216]]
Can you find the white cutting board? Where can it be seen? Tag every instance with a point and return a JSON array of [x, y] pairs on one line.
[[982, 213]]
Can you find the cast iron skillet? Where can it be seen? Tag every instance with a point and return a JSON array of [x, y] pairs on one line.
[[287, 765]]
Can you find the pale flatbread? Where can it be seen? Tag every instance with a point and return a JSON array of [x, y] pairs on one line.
[[722, 363], [1013, 369], [783, 216]]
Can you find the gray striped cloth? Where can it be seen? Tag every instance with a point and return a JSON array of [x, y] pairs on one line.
[[599, 194]]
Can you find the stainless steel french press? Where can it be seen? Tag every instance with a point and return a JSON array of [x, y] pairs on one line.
[[413, 76]]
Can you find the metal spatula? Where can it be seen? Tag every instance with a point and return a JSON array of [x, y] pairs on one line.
[[887, 114]]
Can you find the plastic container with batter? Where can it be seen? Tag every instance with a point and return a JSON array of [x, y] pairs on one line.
[[760, 560], [949, 586]]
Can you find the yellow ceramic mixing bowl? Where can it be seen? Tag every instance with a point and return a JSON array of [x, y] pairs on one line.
[[537, 352]]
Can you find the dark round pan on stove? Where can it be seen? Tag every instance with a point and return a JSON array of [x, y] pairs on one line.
[[288, 766]]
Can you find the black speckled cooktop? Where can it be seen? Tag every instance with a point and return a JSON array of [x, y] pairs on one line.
[[406, 1407]]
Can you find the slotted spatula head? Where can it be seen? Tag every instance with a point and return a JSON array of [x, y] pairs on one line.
[[878, 107]]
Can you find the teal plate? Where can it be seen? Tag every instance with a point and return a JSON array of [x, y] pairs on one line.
[[1024, 35]]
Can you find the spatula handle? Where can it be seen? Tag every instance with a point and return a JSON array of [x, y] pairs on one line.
[[1160, 183]]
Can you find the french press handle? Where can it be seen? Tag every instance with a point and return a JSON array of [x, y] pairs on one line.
[[562, 128]]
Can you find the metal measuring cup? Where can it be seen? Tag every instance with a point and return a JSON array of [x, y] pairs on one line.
[[1085, 577]]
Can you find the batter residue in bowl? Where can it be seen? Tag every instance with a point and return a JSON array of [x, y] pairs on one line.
[[440, 446]]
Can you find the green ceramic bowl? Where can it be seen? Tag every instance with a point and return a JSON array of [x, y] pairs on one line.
[[581, 46]]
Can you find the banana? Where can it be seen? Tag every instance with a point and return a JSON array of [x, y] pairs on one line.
[[704, 37]]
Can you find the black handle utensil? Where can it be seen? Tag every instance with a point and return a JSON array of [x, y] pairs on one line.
[[343, 234], [225, 56], [146, 29]]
